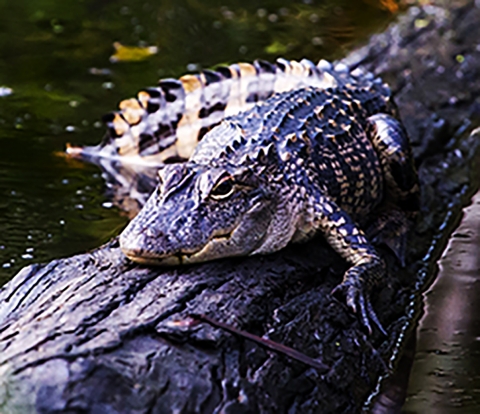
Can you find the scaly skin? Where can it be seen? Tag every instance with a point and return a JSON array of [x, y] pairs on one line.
[[163, 124], [301, 163]]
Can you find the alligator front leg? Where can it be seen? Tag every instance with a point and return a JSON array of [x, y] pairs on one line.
[[367, 268], [391, 226], [390, 140]]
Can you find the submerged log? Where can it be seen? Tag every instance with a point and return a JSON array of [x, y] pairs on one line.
[[95, 333]]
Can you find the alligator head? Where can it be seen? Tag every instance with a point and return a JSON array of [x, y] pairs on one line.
[[200, 213]]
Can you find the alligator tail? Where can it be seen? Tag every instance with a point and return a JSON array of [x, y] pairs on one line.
[[164, 123]]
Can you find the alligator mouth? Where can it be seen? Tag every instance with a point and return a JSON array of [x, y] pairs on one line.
[[143, 259], [224, 243], [203, 254]]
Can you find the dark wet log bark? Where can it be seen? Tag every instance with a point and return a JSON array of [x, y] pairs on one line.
[[96, 334]]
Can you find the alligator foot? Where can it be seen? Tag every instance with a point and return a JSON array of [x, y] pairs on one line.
[[358, 299]]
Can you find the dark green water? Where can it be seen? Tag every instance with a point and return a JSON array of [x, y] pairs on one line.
[[55, 58]]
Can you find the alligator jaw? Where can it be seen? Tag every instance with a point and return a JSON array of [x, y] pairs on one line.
[[141, 258], [204, 254]]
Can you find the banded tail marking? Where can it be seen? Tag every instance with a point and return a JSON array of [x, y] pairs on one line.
[[165, 122]]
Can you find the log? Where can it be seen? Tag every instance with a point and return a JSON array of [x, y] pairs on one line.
[[95, 333]]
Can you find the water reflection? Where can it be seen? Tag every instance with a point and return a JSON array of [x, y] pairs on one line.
[[446, 372]]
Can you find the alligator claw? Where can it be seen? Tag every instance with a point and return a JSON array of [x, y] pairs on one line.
[[374, 318], [358, 299]]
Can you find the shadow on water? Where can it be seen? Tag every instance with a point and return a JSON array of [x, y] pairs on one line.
[[56, 81]]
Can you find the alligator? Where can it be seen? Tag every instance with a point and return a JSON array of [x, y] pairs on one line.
[[307, 150]]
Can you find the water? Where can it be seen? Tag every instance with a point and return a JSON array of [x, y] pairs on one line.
[[446, 376], [57, 80]]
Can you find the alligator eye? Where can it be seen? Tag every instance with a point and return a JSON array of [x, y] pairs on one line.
[[223, 189]]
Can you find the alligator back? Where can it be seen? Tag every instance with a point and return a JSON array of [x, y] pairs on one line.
[[165, 123]]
